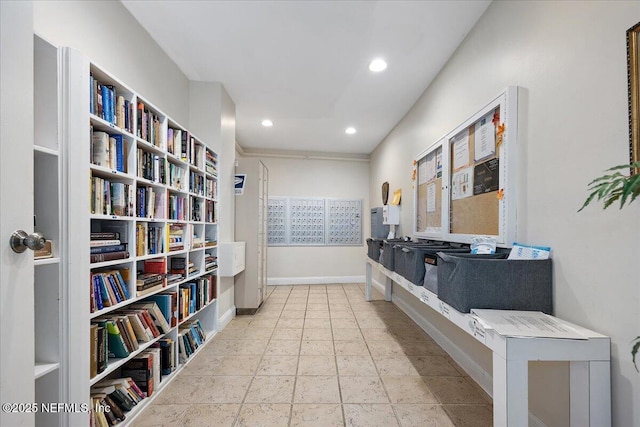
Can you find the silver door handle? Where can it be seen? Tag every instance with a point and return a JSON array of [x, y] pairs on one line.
[[20, 241]]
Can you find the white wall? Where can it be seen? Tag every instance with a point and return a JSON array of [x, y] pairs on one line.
[[108, 34], [569, 58], [212, 118], [295, 177]]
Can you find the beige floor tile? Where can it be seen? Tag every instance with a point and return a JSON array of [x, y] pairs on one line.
[[317, 334], [292, 314], [263, 415], [350, 348], [347, 334], [210, 415], [317, 365], [318, 307], [362, 390], [368, 415], [317, 315], [239, 322], [290, 323], [221, 389], [278, 365], [310, 323], [337, 323], [221, 347], [317, 348], [283, 347], [202, 364], [286, 334], [423, 416], [297, 300], [295, 307], [165, 415], [274, 314], [249, 347], [271, 389], [343, 314], [181, 390], [470, 415], [231, 334], [378, 335], [434, 366], [454, 390], [356, 366], [316, 415], [257, 333], [394, 366], [422, 348], [385, 348], [371, 322], [408, 390], [317, 389], [237, 365], [264, 323]]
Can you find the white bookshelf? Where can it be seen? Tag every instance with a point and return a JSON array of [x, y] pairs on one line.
[[78, 215]]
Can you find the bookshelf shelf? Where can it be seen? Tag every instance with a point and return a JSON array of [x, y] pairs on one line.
[[42, 369], [46, 261], [45, 150]]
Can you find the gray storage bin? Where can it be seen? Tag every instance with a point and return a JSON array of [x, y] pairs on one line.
[[387, 256], [410, 259], [373, 249], [467, 282], [431, 266]]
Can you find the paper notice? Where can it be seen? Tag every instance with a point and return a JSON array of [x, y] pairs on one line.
[[423, 175], [431, 167], [431, 198], [485, 138], [461, 151], [462, 184]]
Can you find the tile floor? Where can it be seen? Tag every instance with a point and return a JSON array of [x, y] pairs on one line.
[[321, 356]]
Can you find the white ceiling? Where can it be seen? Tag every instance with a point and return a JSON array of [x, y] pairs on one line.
[[304, 64]]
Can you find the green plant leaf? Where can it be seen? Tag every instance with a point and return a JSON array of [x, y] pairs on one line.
[[630, 187]]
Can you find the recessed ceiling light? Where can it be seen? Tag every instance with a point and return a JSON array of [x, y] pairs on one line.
[[267, 123], [350, 131], [377, 65]]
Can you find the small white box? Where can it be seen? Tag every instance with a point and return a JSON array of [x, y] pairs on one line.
[[231, 258], [391, 215]]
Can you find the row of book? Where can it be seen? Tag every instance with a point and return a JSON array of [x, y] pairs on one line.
[[108, 288], [111, 198], [176, 237], [117, 334], [212, 189], [196, 294], [178, 143], [108, 105], [176, 177], [147, 283], [211, 163], [196, 210], [151, 166], [112, 398], [177, 207], [211, 215], [106, 249], [196, 183], [149, 202], [150, 238], [190, 337], [108, 150], [148, 125]]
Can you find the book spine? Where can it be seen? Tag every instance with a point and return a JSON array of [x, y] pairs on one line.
[[108, 249], [108, 256]]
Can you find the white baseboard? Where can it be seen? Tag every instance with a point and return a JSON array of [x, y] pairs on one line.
[[320, 280], [226, 318], [479, 375]]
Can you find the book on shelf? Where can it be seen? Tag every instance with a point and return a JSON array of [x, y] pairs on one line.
[[96, 243], [168, 305], [104, 249], [142, 291], [140, 369], [155, 265], [116, 345], [156, 314], [93, 348], [167, 355], [112, 256], [112, 236]]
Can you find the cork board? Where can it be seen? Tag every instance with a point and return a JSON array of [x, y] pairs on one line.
[[474, 207], [429, 192]]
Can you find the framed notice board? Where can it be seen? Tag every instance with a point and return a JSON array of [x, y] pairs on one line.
[[466, 181]]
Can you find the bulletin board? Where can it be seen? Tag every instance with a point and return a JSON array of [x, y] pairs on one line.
[[314, 222], [475, 192]]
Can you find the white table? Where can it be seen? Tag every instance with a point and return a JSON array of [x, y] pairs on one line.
[[590, 375]]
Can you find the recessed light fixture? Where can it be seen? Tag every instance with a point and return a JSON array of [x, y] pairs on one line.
[[377, 65], [267, 123], [350, 130]]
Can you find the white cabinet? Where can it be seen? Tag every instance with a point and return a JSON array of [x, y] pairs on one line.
[[232, 258], [251, 227]]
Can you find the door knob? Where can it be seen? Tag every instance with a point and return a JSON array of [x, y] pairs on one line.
[[20, 241]]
